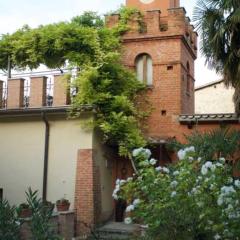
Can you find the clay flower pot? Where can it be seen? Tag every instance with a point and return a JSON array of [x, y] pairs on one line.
[[24, 211], [62, 205]]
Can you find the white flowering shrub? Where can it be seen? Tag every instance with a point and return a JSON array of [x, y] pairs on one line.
[[192, 199]]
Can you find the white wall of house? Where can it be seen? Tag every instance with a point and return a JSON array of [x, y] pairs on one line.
[[215, 98], [22, 156]]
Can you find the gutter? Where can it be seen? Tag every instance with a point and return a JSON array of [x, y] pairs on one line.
[[46, 158]]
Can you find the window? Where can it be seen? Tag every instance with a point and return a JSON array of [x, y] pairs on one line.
[[144, 69]]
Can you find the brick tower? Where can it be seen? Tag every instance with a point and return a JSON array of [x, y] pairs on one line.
[[163, 57]]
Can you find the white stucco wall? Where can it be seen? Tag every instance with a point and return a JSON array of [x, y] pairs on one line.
[[22, 155], [21, 158], [214, 99]]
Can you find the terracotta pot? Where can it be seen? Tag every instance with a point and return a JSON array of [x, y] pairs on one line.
[[62, 207], [25, 213], [49, 206]]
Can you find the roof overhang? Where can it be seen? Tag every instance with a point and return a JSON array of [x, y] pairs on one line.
[[38, 112], [209, 118]]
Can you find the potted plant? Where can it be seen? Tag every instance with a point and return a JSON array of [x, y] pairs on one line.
[[62, 205], [24, 211], [48, 205]]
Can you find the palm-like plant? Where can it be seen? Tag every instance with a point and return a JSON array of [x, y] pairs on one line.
[[218, 22]]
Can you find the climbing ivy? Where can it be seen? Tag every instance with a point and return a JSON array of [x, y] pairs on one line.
[[127, 15], [86, 43]]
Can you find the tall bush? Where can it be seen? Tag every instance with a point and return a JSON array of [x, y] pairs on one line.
[[192, 199]]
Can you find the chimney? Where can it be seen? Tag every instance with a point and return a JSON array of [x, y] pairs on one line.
[[15, 93]]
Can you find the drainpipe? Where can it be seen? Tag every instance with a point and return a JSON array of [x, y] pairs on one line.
[[46, 151]]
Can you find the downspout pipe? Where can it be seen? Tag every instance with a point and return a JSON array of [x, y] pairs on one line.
[[46, 155]]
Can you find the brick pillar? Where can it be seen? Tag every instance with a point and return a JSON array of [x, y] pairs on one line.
[[1, 94], [15, 93], [153, 21], [61, 91], [87, 192], [38, 91]]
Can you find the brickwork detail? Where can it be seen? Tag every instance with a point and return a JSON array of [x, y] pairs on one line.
[[61, 91], [15, 93], [87, 192], [38, 91]]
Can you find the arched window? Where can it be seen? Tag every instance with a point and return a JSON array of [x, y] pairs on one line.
[[144, 69]]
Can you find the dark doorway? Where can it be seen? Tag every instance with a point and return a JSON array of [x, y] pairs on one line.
[[160, 153]]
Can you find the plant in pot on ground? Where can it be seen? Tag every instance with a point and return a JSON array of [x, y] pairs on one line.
[[24, 210], [62, 205]]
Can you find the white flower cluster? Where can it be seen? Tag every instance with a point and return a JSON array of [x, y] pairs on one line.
[[132, 206], [146, 153], [162, 169], [207, 166], [183, 152], [119, 183], [128, 220], [226, 195], [210, 166], [174, 184]]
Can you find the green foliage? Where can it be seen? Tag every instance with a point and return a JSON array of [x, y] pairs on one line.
[[103, 81], [192, 199], [127, 15], [218, 22], [9, 224], [89, 19], [222, 142], [40, 221]]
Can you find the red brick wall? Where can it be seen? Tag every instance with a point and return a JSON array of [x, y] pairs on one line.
[[170, 51], [87, 193]]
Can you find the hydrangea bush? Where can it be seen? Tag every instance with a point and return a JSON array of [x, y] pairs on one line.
[[192, 199]]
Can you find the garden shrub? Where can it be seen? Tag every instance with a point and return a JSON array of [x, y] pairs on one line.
[[9, 224], [192, 199], [41, 227]]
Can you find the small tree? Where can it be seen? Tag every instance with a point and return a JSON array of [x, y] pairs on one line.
[[41, 227]]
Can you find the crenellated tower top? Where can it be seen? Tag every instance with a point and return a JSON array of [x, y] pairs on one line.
[[148, 5]]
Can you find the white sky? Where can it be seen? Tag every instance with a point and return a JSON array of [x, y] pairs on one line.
[[16, 13]]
